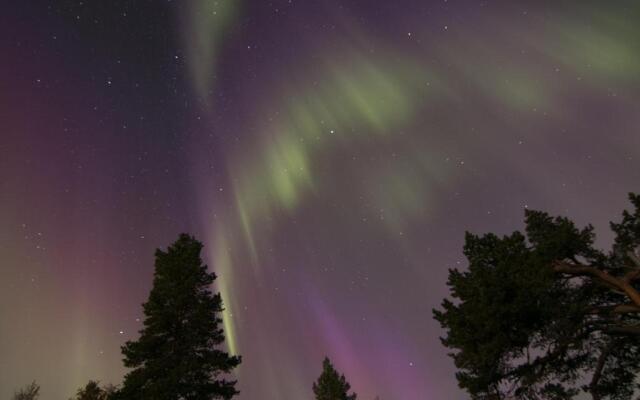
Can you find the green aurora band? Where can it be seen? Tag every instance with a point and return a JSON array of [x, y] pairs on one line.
[[369, 99]]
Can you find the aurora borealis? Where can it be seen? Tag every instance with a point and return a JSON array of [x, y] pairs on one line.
[[330, 155]]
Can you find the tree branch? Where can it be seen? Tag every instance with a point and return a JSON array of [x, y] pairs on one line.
[[627, 308], [593, 272], [632, 330]]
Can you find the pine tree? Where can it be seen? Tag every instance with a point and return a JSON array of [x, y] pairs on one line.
[[544, 314], [331, 385], [177, 355], [92, 391]]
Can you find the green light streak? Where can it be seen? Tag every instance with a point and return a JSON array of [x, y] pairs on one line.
[[222, 262], [600, 53], [208, 21], [356, 100]]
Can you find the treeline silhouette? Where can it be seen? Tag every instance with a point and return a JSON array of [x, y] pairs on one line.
[[179, 353], [539, 314]]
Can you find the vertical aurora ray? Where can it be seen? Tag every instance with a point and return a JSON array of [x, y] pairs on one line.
[[207, 23], [223, 267]]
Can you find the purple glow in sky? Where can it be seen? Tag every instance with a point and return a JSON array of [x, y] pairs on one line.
[[330, 155]]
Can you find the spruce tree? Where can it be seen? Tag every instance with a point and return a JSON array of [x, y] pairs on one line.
[[177, 355], [331, 385]]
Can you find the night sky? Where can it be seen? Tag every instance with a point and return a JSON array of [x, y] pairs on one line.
[[330, 154]]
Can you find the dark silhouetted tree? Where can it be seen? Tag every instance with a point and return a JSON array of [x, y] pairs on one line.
[[178, 354], [93, 391], [544, 314], [29, 392], [331, 385]]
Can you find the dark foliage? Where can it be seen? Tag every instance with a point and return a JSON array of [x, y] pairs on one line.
[[29, 392], [544, 314], [331, 385], [93, 391], [177, 355]]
